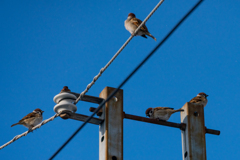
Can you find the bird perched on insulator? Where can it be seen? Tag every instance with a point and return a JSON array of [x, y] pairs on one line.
[[132, 23], [31, 119], [65, 89], [201, 99], [161, 113]]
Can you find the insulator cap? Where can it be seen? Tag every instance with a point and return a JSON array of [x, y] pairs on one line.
[[64, 102]]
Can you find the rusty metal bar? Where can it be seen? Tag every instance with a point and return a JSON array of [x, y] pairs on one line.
[[211, 131], [88, 98], [92, 109], [111, 130], [182, 126], [80, 117]]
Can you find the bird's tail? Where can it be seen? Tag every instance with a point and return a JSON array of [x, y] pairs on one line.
[[15, 124], [151, 36], [179, 110]]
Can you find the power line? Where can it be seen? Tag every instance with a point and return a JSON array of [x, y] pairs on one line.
[[118, 52], [94, 79], [127, 78], [25, 133]]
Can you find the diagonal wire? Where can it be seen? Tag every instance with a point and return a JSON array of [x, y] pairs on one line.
[[25, 133], [94, 79], [118, 52], [126, 79]]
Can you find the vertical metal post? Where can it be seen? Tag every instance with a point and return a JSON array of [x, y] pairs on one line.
[[193, 138], [111, 130]]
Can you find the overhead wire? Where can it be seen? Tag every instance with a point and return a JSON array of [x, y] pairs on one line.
[[128, 77], [116, 54], [94, 79], [25, 133]]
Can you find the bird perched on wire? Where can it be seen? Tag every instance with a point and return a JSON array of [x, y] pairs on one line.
[[132, 23], [65, 89], [201, 99], [32, 119], [161, 113]]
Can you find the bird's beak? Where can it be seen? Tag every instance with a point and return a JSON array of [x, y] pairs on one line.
[[207, 95], [42, 111]]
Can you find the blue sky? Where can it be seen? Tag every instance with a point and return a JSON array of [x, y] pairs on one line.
[[46, 45]]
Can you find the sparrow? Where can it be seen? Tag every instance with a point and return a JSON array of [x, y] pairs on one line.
[[32, 119], [161, 113], [65, 89], [132, 23], [201, 98]]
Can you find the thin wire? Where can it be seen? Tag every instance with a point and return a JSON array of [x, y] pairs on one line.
[[118, 52], [94, 79], [25, 133], [126, 79]]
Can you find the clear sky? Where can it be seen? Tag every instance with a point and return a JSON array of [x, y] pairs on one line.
[[46, 45]]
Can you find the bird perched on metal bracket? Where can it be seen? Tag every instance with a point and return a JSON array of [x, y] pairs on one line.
[[201, 99], [32, 119], [161, 113], [132, 23]]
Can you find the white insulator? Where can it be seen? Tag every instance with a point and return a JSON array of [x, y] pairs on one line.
[[64, 102]]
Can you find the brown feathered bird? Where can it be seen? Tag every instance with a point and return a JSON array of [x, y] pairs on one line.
[[32, 119], [65, 89], [161, 113], [201, 99], [132, 23]]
